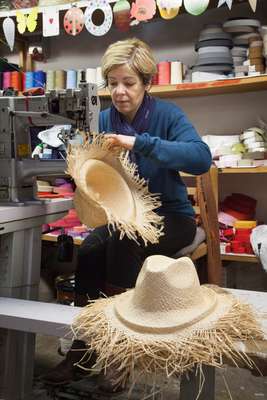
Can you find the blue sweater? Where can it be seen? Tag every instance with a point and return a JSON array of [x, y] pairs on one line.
[[170, 145]]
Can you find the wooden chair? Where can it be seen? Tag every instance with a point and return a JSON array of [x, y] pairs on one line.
[[203, 192]]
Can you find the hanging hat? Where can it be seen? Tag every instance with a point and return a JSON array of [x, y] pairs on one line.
[[109, 191], [168, 323]]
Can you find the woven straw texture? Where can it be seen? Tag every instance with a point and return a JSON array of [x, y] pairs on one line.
[[168, 324], [109, 191]]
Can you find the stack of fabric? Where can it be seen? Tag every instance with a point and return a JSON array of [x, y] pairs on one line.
[[238, 238], [227, 150], [248, 46], [4, 4], [256, 58], [264, 40], [255, 142], [239, 54], [237, 219], [70, 225], [214, 55], [63, 187], [239, 207]]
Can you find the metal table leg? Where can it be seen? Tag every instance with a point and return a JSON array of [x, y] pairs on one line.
[[20, 255], [190, 385]]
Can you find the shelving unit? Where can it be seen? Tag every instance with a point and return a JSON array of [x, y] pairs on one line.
[[219, 87], [240, 85], [233, 85], [251, 258], [248, 170], [53, 238]]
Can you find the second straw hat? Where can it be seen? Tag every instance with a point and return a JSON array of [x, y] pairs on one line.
[[109, 191]]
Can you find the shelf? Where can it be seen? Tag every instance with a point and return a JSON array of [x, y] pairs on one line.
[[251, 258], [233, 85], [225, 257], [248, 170], [53, 238]]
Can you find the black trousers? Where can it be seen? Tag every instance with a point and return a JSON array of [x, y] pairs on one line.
[[104, 259]]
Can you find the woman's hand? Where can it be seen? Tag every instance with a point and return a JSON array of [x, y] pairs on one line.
[[114, 140]]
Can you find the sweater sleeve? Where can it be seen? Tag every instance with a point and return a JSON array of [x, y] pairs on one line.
[[183, 150]]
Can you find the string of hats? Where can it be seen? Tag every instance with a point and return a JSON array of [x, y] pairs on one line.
[[124, 15]]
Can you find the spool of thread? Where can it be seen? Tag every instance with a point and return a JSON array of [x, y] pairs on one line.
[[176, 72], [7, 80], [50, 80], [23, 80], [91, 75], [60, 79], [155, 79], [39, 78], [80, 72], [16, 80], [163, 73], [71, 79], [28, 80]]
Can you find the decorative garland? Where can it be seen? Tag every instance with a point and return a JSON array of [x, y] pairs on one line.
[[126, 14]]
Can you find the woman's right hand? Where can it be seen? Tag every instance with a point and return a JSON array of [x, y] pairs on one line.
[[117, 140]]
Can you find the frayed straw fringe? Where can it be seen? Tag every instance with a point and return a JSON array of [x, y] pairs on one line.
[[171, 357], [147, 224]]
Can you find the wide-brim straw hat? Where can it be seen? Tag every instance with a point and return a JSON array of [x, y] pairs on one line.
[[168, 323], [110, 191]]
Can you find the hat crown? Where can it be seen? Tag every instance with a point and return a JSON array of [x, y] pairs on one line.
[[167, 284]]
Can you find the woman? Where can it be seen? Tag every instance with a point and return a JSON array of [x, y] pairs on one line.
[[162, 142]]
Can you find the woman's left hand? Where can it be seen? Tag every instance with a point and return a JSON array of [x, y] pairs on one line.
[[114, 140]]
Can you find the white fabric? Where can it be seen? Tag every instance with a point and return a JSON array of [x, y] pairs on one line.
[[218, 143], [50, 136], [258, 240]]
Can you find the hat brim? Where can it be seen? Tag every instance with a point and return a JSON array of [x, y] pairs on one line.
[[108, 180], [207, 341]]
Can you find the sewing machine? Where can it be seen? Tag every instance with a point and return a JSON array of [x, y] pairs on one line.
[[76, 107], [22, 215]]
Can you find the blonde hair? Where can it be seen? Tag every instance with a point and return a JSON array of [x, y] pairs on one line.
[[133, 52]]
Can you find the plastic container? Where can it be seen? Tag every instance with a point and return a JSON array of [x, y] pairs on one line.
[[245, 224]]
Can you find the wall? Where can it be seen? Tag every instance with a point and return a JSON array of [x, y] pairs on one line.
[[171, 40], [220, 114]]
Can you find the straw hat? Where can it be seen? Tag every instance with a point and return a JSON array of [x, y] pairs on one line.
[[109, 191], [168, 323]]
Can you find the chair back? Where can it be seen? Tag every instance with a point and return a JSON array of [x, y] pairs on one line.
[[203, 192]]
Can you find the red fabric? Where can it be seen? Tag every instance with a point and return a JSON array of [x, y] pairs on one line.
[[237, 215], [69, 221]]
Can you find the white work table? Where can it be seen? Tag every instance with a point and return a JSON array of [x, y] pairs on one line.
[[20, 261], [13, 213], [56, 320]]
